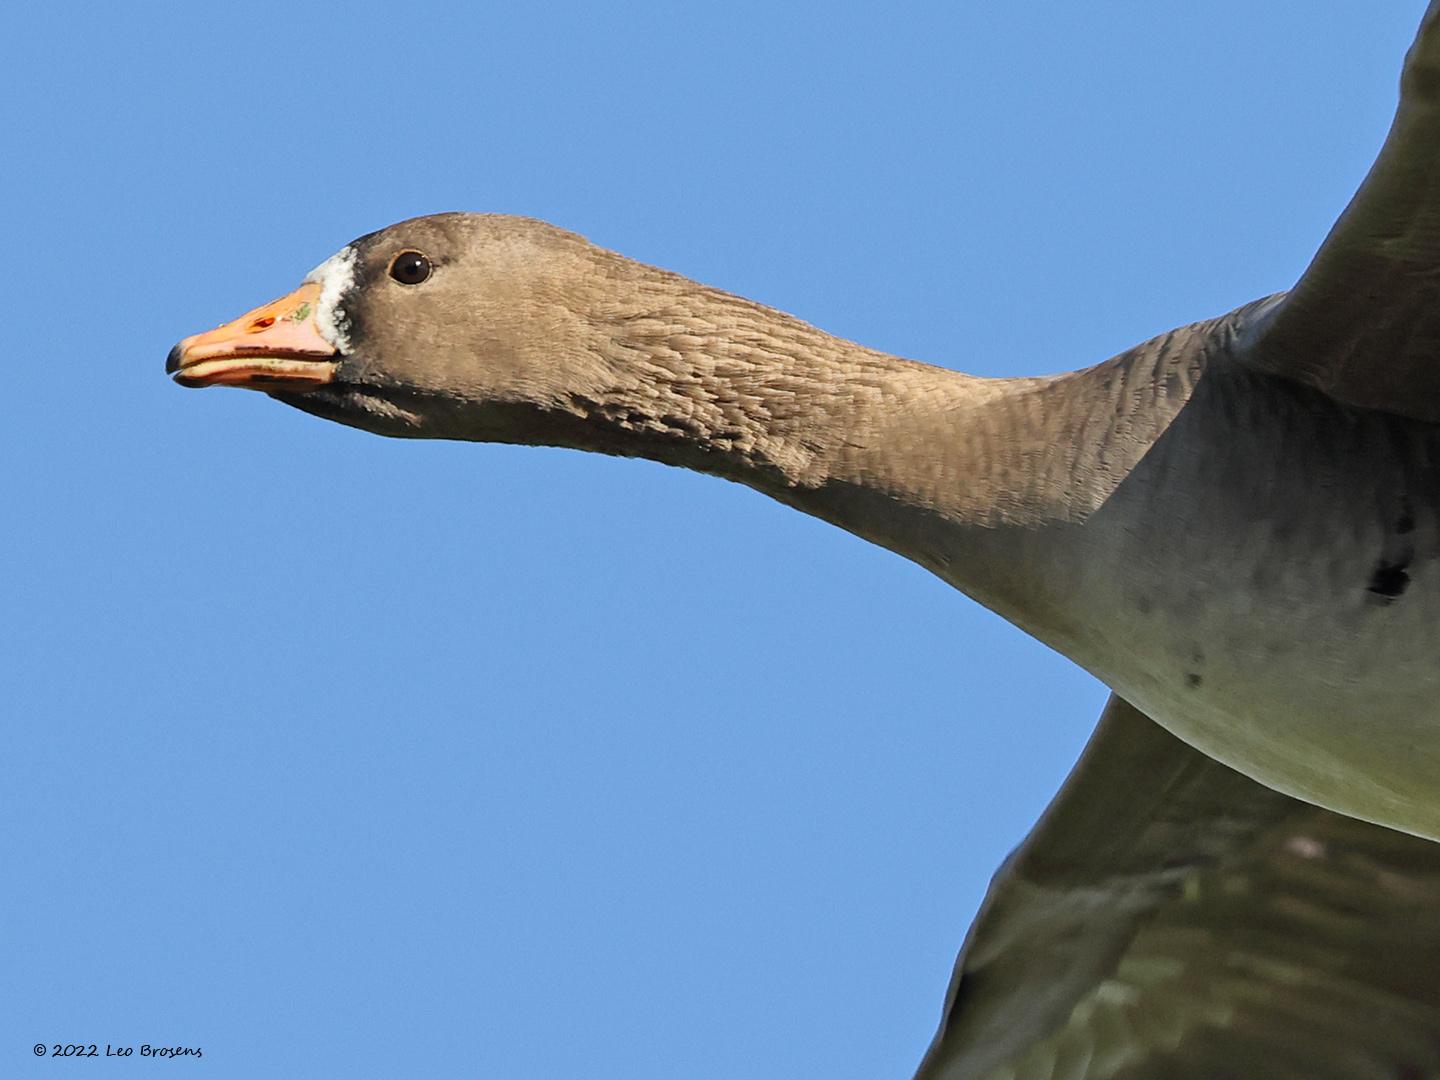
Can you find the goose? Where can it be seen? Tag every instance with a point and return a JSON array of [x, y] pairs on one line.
[[1235, 526]]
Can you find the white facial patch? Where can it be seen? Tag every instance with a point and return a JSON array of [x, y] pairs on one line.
[[335, 276]]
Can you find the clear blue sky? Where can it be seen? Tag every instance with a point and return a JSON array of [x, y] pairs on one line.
[[339, 756]]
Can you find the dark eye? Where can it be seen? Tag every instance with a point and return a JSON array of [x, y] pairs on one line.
[[410, 268]]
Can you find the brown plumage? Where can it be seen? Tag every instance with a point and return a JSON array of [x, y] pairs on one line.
[[1236, 526]]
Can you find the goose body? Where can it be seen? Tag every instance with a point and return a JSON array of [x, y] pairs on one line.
[[1256, 570], [1235, 526]]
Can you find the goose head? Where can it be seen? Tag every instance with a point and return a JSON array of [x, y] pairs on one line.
[[452, 325]]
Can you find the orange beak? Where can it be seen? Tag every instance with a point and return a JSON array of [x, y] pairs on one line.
[[275, 347]]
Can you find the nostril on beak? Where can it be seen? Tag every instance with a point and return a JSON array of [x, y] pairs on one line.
[[172, 362]]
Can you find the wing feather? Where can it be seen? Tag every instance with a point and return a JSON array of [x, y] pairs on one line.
[[1363, 323], [1169, 917]]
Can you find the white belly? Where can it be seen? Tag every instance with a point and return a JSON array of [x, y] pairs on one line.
[[1314, 668], [1253, 565]]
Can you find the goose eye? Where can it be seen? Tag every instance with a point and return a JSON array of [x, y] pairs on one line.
[[410, 268]]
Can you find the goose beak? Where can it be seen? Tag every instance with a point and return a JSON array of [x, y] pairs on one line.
[[275, 347]]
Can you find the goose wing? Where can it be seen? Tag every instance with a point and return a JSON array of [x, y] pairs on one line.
[[1363, 323], [1169, 917]]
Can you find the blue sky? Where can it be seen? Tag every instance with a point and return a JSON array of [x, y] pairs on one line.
[[339, 756]]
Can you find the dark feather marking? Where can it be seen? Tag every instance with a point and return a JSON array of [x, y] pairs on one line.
[[1389, 580]]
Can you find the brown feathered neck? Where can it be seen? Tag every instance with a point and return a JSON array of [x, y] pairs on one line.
[[908, 455], [970, 477]]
